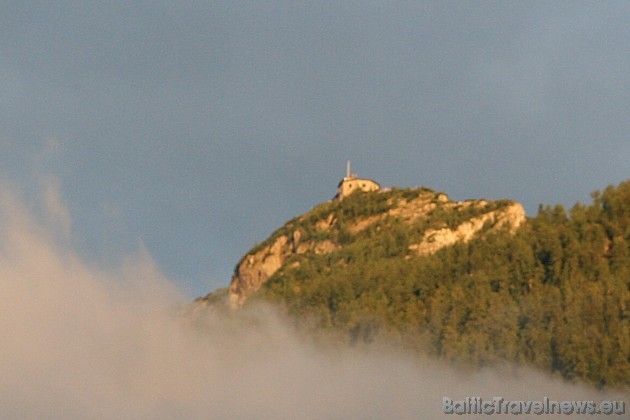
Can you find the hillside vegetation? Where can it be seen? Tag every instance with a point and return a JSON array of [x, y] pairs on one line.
[[554, 293]]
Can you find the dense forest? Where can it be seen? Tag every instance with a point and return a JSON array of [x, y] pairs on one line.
[[554, 295]]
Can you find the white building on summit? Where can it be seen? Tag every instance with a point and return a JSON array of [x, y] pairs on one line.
[[350, 183]]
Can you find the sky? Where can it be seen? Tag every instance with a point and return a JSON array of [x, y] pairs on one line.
[[190, 130]]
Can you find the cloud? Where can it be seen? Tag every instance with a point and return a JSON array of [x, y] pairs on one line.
[[51, 147], [54, 204], [80, 341]]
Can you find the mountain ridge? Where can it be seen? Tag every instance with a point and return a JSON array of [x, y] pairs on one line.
[[475, 281], [410, 206]]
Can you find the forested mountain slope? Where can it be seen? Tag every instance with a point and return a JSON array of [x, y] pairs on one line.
[[473, 282]]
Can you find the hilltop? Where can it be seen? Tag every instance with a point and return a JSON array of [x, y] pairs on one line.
[[405, 223], [474, 282]]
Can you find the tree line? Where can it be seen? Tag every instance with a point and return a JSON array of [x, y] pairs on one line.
[[555, 295]]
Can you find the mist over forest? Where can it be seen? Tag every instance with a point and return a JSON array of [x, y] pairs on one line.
[[82, 341]]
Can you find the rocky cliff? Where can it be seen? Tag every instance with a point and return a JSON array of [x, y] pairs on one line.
[[433, 220]]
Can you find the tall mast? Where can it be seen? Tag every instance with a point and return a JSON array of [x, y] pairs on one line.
[[348, 170]]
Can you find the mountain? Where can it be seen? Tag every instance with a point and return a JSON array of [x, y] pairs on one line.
[[474, 282], [428, 222]]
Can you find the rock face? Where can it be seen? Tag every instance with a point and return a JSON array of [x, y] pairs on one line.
[[256, 268], [318, 232], [435, 239]]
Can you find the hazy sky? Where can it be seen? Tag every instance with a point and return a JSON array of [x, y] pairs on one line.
[[194, 129]]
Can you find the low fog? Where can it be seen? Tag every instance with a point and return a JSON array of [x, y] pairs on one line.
[[81, 340]]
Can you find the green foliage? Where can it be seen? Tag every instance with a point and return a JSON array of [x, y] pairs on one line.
[[343, 213], [555, 295]]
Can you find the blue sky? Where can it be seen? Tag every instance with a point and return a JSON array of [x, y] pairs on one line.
[[194, 129]]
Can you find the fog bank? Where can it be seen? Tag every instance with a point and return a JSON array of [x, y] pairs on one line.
[[82, 341]]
